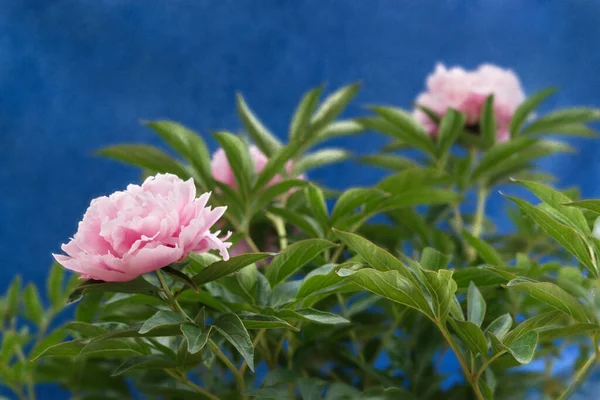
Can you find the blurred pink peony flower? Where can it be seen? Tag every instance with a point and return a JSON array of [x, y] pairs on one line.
[[222, 172], [466, 92], [142, 229]]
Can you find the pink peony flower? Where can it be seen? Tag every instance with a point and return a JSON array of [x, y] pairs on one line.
[[142, 229], [466, 92], [222, 172]]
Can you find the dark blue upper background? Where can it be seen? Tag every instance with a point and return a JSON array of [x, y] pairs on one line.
[[76, 75]]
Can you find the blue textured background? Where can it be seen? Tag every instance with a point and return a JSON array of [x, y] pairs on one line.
[[78, 75]]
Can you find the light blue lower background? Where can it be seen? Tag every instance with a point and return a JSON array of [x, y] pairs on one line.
[[78, 75]]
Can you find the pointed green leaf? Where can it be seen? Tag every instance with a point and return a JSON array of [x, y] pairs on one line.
[[270, 194], [533, 323], [195, 336], [144, 362], [572, 241], [317, 280], [145, 156], [187, 143], [34, 311], [391, 285], [592, 205], [522, 349], [257, 321], [487, 123], [12, 297], [223, 268], [498, 154], [475, 305], [481, 276], [238, 156], [110, 348], [561, 118], [484, 249], [441, 289], [526, 109], [433, 260], [234, 331], [54, 286], [552, 295], [500, 326], [332, 106], [403, 126], [451, 127], [388, 161], [300, 125], [160, 319], [63, 349], [138, 285], [472, 336], [312, 315], [264, 139], [351, 199], [180, 276], [316, 202], [569, 330], [294, 257], [319, 159]]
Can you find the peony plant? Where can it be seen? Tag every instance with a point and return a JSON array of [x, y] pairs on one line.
[[320, 294]]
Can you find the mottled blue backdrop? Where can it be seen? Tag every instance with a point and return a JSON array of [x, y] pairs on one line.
[[76, 75]]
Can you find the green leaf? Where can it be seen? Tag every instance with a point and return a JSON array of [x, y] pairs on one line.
[[481, 276], [317, 280], [239, 159], [555, 199], [160, 319], [267, 394], [54, 286], [234, 331], [441, 289], [475, 305], [180, 276], [311, 388], [85, 329], [496, 155], [223, 268], [413, 179], [373, 255], [264, 139], [145, 363], [64, 349], [433, 260], [592, 205], [187, 143], [572, 241], [110, 348], [472, 336], [561, 118], [569, 330], [145, 156], [388, 161], [316, 202], [138, 285], [552, 295], [339, 128], [391, 285], [319, 159], [536, 322], [332, 106], [312, 315], [267, 196], [487, 123], [522, 349], [294, 257], [195, 336], [405, 128], [484, 249], [300, 125], [276, 165], [526, 109], [89, 305], [303, 222], [451, 126], [12, 297], [500, 326], [257, 321], [351, 199]]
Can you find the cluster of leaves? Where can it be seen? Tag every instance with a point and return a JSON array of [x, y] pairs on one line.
[[404, 268]]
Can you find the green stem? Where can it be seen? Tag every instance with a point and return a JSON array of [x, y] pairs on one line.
[[487, 363], [482, 193], [175, 306], [580, 376], [337, 254], [30, 387], [353, 337], [183, 379], [239, 378], [280, 229], [465, 368]]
